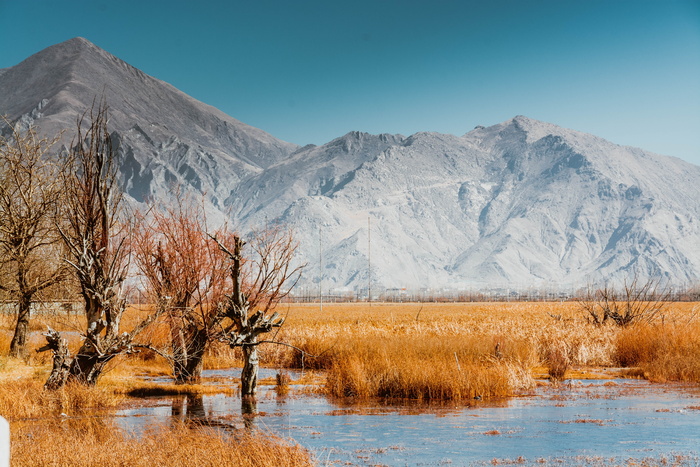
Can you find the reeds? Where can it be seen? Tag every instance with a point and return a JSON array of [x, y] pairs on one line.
[[445, 351], [64, 428], [423, 368], [97, 442], [437, 350], [662, 351], [26, 398]]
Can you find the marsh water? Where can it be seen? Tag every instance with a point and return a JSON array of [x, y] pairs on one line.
[[588, 422]]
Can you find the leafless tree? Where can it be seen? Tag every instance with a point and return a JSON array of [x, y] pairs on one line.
[[258, 282], [634, 302], [29, 243], [96, 236], [183, 271]]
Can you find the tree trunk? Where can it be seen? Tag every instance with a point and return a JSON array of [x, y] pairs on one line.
[[188, 356], [249, 375], [61, 360], [249, 410], [87, 366], [18, 346]]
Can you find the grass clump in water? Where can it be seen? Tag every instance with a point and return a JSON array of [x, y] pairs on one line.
[[428, 368], [661, 351]]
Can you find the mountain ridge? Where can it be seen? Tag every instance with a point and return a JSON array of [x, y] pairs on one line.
[[519, 203], [150, 116]]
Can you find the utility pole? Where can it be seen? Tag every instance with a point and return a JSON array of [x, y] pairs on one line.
[[320, 268], [369, 262]]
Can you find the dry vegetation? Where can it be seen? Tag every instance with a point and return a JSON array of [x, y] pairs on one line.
[[441, 351], [82, 442], [63, 427], [425, 351], [431, 351], [661, 352], [460, 351]]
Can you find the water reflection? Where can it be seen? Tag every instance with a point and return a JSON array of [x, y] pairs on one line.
[[610, 420], [249, 410], [189, 408], [192, 410]]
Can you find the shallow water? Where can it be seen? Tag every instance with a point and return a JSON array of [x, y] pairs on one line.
[[583, 423]]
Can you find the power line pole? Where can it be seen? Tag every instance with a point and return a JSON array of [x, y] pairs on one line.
[[369, 261], [320, 268]]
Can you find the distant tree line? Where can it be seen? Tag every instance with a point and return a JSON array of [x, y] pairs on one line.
[[531, 294]]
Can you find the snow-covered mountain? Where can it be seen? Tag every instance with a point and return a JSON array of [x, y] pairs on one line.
[[522, 203]]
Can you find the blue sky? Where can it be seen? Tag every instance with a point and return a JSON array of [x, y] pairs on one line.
[[310, 71]]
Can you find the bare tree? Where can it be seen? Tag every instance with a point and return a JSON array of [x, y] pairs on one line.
[[29, 243], [183, 270], [634, 302], [96, 235], [258, 283]]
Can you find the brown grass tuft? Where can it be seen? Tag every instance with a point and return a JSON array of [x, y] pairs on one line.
[[27, 398], [426, 368], [96, 442], [662, 351], [556, 356]]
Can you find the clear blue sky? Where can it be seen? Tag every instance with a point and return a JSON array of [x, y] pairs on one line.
[[309, 71]]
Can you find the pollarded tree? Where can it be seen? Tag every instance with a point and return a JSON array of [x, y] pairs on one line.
[[96, 235], [183, 270], [258, 282], [29, 242]]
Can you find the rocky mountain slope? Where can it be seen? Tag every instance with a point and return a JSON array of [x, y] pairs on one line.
[[165, 135], [523, 203], [519, 204]]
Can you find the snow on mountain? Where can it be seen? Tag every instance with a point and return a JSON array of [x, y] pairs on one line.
[[518, 204], [522, 203]]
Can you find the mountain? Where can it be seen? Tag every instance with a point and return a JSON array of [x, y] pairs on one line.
[[519, 204], [165, 135]]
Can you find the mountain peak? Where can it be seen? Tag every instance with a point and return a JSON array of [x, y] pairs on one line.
[[76, 43], [67, 52], [193, 141], [531, 130], [521, 203]]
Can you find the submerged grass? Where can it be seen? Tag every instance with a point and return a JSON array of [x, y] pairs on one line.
[[438, 351], [464, 350], [423, 369], [423, 351]]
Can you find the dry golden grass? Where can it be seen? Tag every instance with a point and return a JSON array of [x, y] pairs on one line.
[[423, 373], [96, 442], [520, 330], [413, 350], [423, 350], [64, 428], [24, 397], [435, 351], [668, 351]]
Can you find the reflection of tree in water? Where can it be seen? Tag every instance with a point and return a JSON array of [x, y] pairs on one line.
[[249, 410], [190, 409]]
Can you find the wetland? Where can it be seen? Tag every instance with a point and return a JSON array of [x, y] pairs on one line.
[[399, 384]]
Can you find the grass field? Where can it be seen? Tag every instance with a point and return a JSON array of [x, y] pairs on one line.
[[436, 351], [468, 349]]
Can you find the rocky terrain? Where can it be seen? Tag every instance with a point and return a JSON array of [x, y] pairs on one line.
[[519, 204]]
